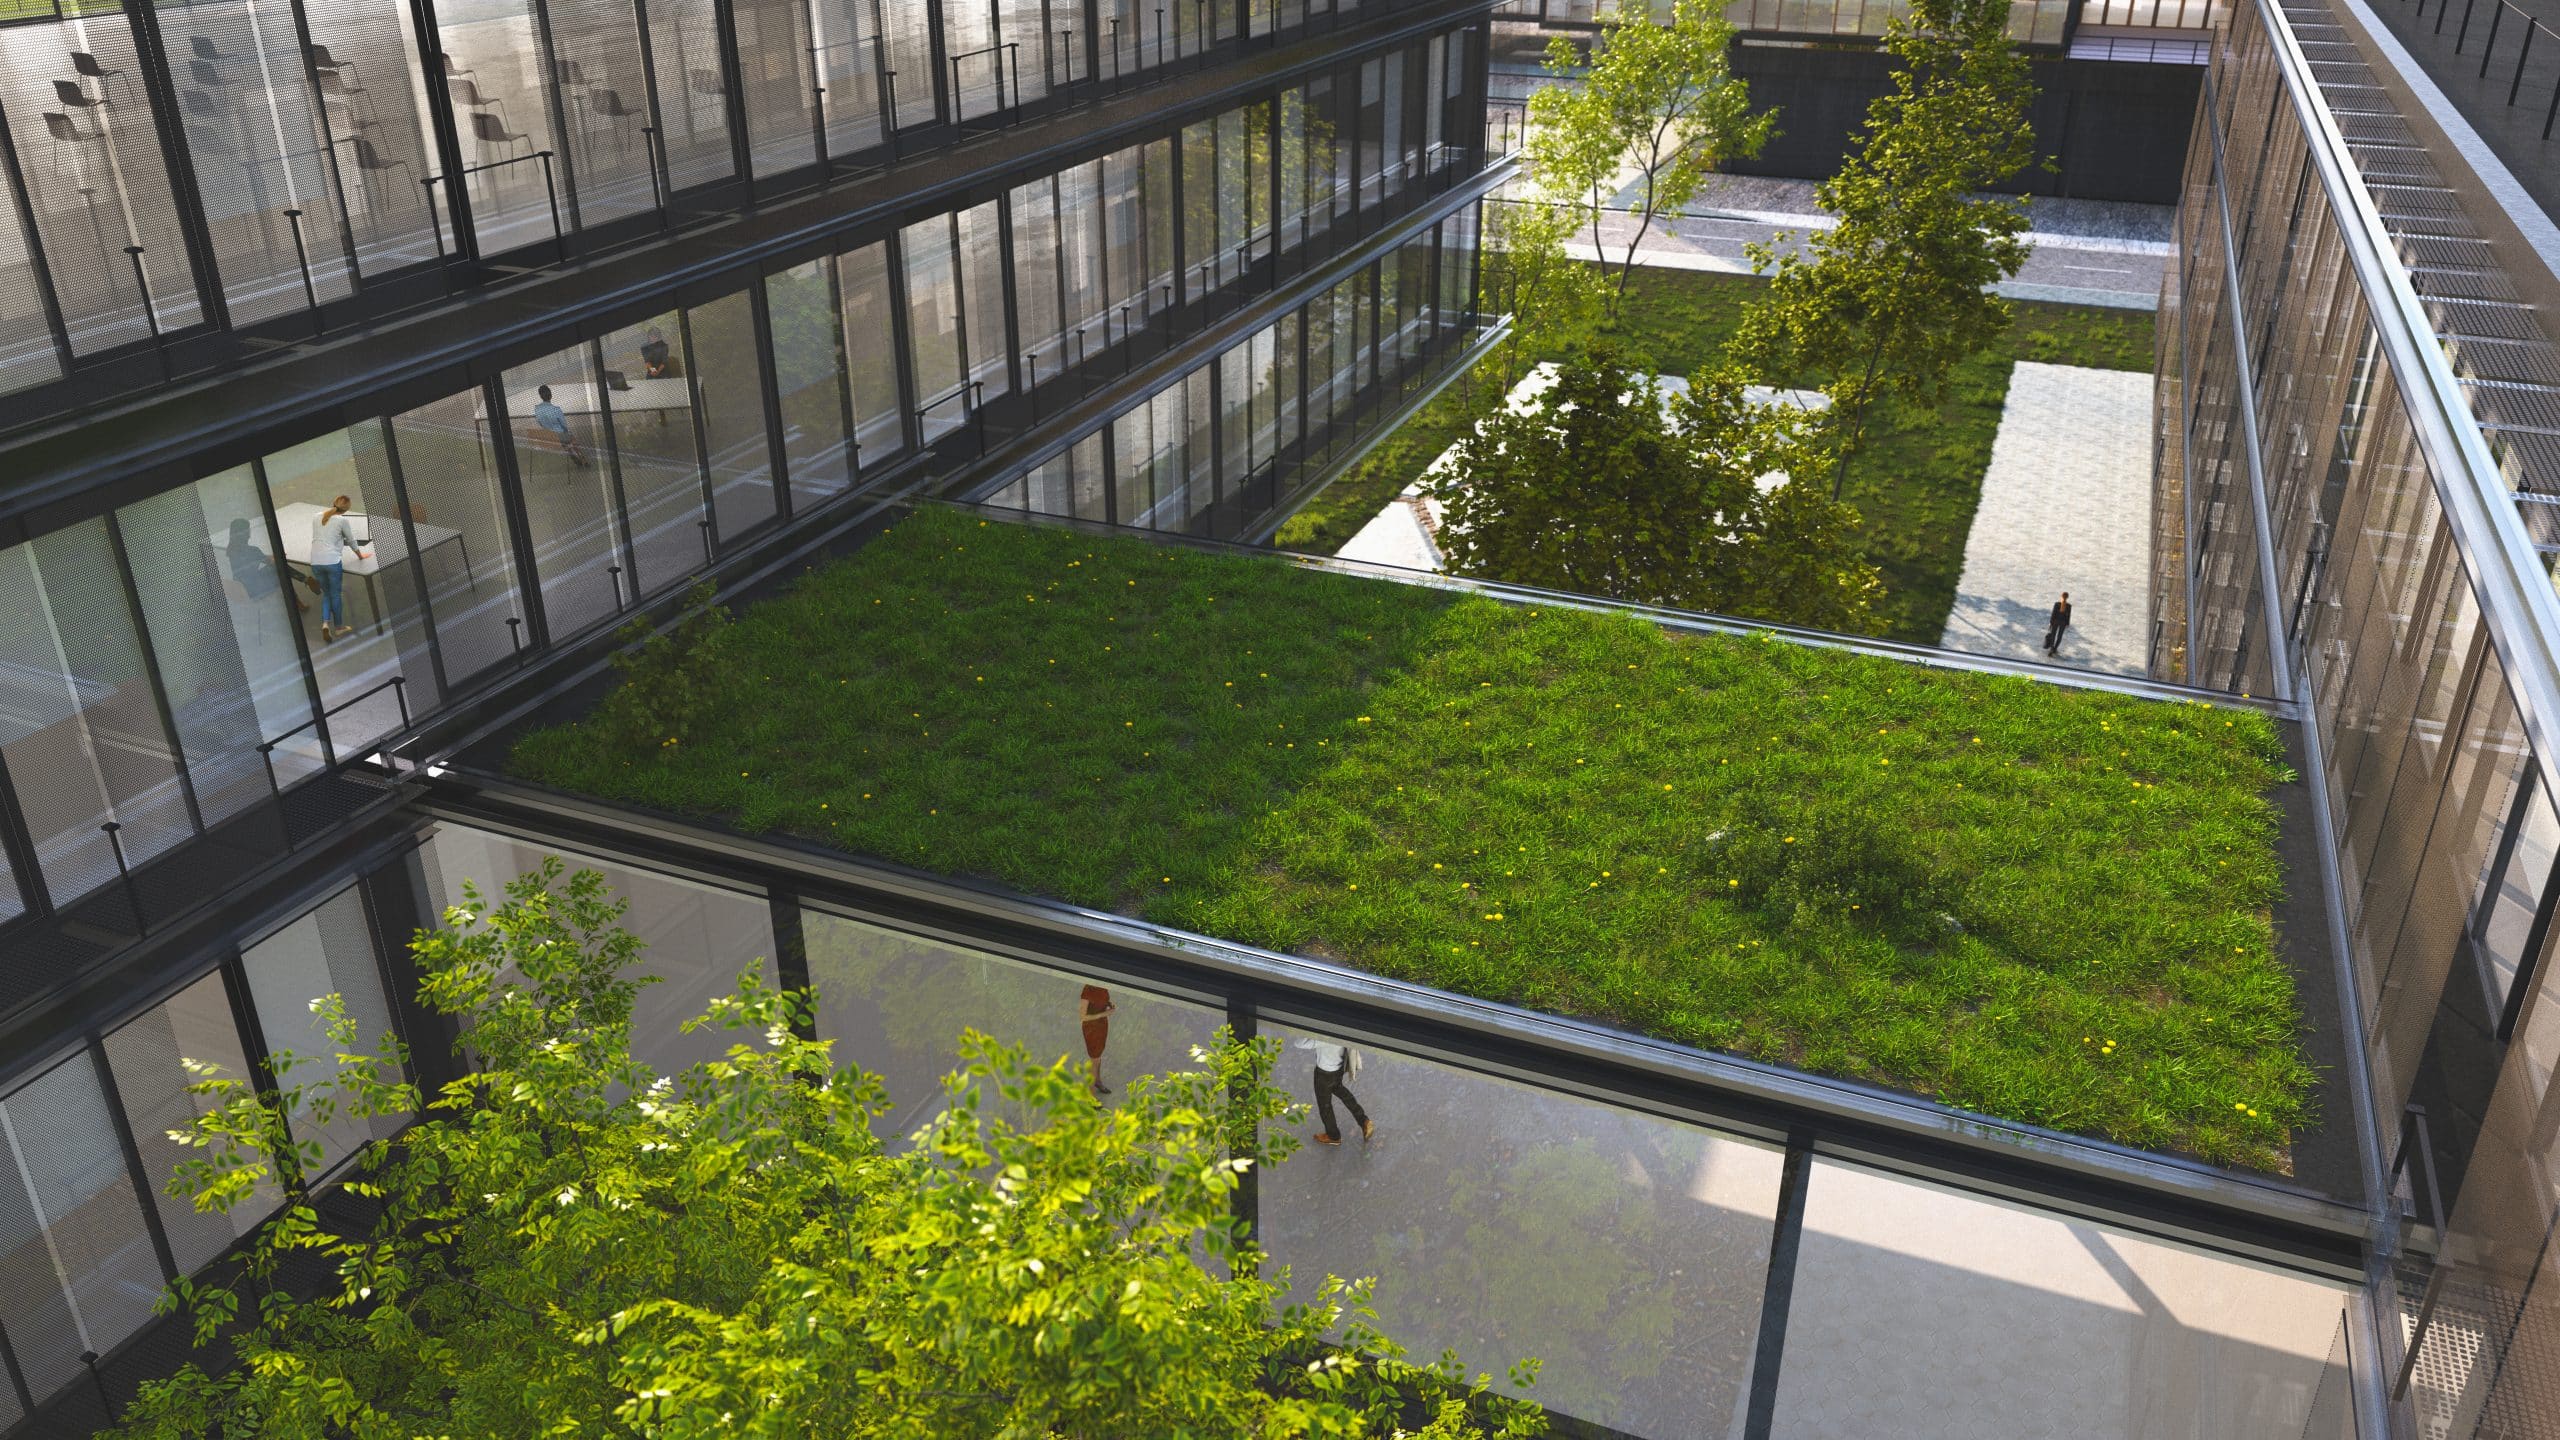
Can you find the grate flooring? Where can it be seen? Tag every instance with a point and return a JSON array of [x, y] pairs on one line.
[[2497, 344]]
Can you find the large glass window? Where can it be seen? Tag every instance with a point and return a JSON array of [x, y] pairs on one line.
[[492, 74], [80, 723], [896, 1005], [327, 952], [602, 88], [1627, 1253], [1925, 1312], [871, 323], [452, 519], [76, 1259], [693, 93], [648, 402], [698, 938], [809, 379], [148, 1057], [728, 386], [934, 325], [220, 615], [571, 511]]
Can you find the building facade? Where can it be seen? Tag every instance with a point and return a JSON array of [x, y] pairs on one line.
[[2354, 461]]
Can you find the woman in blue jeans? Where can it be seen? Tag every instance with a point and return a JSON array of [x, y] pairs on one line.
[[332, 536]]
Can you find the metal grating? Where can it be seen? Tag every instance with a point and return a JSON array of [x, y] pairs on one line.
[[2498, 346]]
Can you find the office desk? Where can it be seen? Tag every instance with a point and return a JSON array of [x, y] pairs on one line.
[[385, 541]]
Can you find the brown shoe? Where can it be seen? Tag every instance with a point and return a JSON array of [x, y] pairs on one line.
[[1328, 1140], [1368, 1129]]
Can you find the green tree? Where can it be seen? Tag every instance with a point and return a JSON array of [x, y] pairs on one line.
[[1555, 302], [1658, 110], [1601, 487], [568, 1244], [1899, 293]]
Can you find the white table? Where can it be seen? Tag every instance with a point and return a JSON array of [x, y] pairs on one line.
[[384, 543]]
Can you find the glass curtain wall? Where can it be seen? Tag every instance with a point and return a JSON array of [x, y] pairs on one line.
[[1225, 443], [155, 663], [2443, 830]]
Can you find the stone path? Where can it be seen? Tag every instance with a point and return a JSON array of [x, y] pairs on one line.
[[2065, 506]]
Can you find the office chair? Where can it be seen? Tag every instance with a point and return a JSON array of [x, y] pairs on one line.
[[87, 64], [466, 93], [321, 59], [206, 50], [453, 71], [486, 129], [70, 93], [65, 131], [204, 74], [568, 73]]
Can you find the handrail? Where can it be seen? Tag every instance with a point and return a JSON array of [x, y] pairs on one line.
[[2489, 46], [2519, 606]]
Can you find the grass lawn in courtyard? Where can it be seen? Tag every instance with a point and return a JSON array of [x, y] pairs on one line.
[[2047, 904], [1914, 482]]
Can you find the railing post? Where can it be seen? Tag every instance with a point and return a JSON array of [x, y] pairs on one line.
[[150, 312], [2490, 45], [2463, 31], [657, 191], [515, 636], [302, 257], [132, 893], [435, 222], [2521, 55], [400, 692], [550, 188]]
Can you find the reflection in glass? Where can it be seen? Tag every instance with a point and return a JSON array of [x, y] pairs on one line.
[[1920, 1311]]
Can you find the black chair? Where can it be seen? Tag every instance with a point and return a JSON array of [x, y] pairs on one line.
[[321, 59], [87, 64], [568, 73], [608, 103], [65, 131], [209, 118], [71, 94], [204, 74], [466, 93], [206, 50], [613, 381], [369, 161], [334, 86], [451, 70], [485, 128]]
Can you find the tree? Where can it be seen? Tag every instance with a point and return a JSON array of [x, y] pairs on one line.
[[1660, 102], [568, 1244], [1554, 301], [1600, 487], [1898, 293]]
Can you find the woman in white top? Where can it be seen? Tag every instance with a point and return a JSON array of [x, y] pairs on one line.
[[332, 536]]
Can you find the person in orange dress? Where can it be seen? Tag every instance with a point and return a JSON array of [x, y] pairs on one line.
[[1093, 1011]]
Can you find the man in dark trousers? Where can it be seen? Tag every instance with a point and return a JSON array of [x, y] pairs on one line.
[[2060, 622], [1335, 1064]]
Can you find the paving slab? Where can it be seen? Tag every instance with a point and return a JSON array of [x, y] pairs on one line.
[[2065, 507]]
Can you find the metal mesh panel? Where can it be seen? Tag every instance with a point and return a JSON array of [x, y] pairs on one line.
[[95, 179], [455, 524], [382, 631], [371, 105], [1037, 283], [650, 426], [78, 1263], [907, 29], [933, 325], [693, 119], [728, 386], [255, 137], [219, 618], [773, 52], [604, 94], [151, 1081], [79, 724], [809, 380], [328, 951], [568, 500]]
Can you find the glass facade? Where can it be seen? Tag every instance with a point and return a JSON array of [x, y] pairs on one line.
[[227, 164], [1633, 1251], [2339, 521], [182, 663]]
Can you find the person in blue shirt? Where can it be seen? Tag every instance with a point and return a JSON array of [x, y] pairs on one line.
[[552, 418]]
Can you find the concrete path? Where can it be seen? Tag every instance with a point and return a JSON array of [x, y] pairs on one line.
[[2065, 506]]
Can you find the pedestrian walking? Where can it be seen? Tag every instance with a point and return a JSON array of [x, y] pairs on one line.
[[2059, 622], [1093, 1011], [1336, 1064]]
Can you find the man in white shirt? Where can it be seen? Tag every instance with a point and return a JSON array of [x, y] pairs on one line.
[[1334, 1064]]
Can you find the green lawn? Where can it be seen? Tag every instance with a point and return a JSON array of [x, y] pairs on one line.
[[2047, 904], [1915, 482]]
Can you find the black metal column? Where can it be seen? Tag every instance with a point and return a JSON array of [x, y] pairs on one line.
[[1778, 1290]]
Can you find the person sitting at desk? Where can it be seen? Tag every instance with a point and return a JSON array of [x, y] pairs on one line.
[[332, 536], [654, 357], [552, 418]]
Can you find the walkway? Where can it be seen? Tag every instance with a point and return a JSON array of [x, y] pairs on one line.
[[2065, 506]]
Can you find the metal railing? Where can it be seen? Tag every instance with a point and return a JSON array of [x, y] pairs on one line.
[[550, 188], [2522, 33]]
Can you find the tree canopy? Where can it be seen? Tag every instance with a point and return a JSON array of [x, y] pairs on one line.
[[1898, 293], [569, 1244], [1604, 486]]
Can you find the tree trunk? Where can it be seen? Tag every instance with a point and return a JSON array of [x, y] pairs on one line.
[[1857, 421]]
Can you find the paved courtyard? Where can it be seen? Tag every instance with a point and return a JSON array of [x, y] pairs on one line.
[[2065, 506]]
